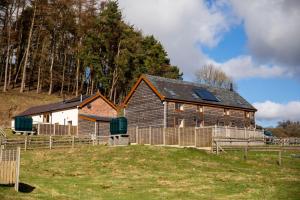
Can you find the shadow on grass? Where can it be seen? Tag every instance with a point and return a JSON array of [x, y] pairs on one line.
[[23, 187]]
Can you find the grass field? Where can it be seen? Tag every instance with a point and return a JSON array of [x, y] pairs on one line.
[[147, 172]]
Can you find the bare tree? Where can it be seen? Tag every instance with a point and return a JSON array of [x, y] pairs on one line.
[[213, 76], [27, 50]]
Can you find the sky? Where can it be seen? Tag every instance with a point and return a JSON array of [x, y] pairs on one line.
[[256, 42]]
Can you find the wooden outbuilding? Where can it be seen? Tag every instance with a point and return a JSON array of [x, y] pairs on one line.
[[158, 101]]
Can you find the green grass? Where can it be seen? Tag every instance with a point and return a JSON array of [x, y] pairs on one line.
[[147, 172]]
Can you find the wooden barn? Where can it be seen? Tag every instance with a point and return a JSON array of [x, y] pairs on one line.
[[89, 114], [156, 101]]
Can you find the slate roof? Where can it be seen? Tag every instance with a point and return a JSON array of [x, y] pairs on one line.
[[97, 118], [173, 89], [62, 105]]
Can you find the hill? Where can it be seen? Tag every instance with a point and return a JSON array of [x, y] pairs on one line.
[[148, 172], [13, 102]]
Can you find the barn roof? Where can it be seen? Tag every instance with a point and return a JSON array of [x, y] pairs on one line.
[[62, 105], [79, 101], [183, 91]]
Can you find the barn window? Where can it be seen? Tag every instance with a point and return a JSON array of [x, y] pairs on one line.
[[46, 118], [178, 106], [179, 122], [199, 122], [247, 114], [226, 112], [200, 109], [89, 106]]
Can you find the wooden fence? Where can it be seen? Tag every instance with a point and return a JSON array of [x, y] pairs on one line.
[[189, 136], [10, 166], [195, 136], [229, 136], [51, 142], [56, 129]]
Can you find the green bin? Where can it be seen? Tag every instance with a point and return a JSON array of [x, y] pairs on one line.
[[118, 126], [23, 124]]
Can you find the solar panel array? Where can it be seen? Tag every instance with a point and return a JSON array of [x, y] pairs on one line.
[[205, 95]]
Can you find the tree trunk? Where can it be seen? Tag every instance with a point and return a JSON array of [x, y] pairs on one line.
[[38, 87], [63, 74], [8, 18], [27, 51], [78, 68], [51, 70]]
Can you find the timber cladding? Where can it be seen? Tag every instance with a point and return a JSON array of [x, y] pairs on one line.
[[85, 127], [144, 108]]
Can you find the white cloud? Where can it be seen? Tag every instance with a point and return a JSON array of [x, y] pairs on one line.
[[269, 110], [272, 28], [180, 25], [244, 67]]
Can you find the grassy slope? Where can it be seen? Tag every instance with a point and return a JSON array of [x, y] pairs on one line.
[[12, 103], [147, 172]]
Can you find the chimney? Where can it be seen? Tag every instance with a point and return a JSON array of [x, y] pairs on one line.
[[81, 98], [231, 87]]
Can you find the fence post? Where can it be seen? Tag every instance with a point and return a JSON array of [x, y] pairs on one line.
[[25, 143], [73, 140], [150, 130], [39, 128], [50, 142], [69, 129], [195, 136], [245, 132], [246, 152], [279, 157], [217, 148], [137, 134], [164, 135], [179, 139], [18, 153], [54, 127]]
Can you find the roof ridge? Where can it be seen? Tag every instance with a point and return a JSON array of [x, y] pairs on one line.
[[187, 82]]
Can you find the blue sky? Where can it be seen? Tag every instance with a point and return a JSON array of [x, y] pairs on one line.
[[255, 42]]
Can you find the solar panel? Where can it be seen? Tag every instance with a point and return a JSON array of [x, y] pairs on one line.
[[205, 95]]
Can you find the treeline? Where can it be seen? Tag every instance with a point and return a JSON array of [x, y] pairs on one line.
[[287, 129], [75, 47]]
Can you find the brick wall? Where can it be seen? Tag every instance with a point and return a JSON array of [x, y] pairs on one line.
[[99, 107]]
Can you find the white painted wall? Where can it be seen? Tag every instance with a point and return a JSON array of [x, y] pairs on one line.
[[36, 119], [62, 117]]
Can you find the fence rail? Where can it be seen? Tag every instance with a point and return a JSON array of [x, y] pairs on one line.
[[10, 166], [50, 142]]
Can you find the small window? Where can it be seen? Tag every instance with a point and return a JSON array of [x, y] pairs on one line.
[[178, 106], [226, 112], [46, 118], [181, 123], [200, 109], [221, 124], [199, 123], [247, 114], [232, 124], [89, 106]]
